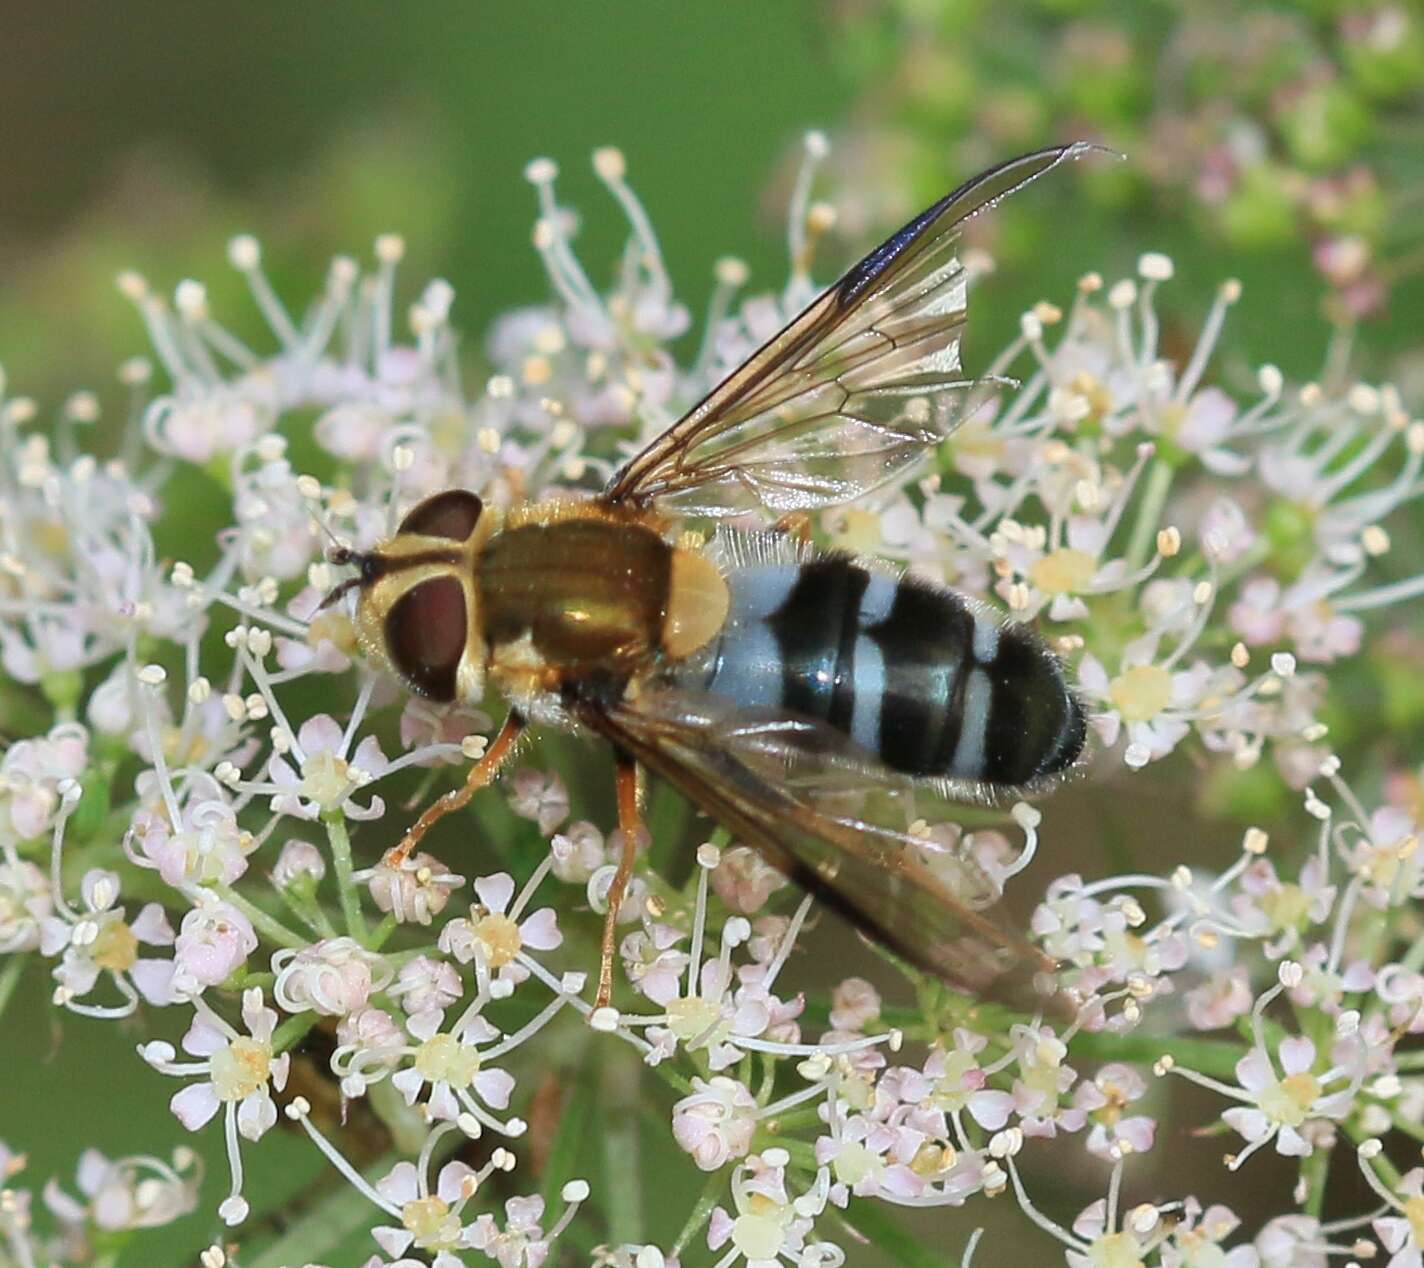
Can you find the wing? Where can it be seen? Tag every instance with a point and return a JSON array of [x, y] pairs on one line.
[[853, 391], [787, 787]]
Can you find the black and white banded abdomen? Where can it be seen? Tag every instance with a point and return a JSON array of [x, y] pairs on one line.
[[914, 674]]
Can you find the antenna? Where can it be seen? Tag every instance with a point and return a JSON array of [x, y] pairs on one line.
[[339, 555], [340, 592]]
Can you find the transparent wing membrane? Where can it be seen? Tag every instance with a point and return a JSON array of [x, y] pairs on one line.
[[851, 393], [788, 788]]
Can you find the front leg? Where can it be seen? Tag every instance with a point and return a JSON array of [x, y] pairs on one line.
[[481, 773]]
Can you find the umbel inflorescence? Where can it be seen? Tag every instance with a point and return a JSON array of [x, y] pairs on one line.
[[196, 833]]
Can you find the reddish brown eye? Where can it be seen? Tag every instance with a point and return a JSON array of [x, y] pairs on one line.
[[451, 514], [425, 636]]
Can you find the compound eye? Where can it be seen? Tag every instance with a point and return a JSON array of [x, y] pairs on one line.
[[451, 514], [425, 636]]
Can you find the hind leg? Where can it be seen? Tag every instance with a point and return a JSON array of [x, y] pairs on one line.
[[630, 824]]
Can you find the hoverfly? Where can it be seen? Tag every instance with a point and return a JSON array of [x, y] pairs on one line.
[[788, 692]]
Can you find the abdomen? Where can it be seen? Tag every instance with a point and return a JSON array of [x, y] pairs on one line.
[[910, 673]]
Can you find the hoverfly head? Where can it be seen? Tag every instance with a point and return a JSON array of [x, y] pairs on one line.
[[416, 609]]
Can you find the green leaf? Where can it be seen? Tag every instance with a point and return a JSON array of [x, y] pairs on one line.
[[568, 1143], [881, 1229], [325, 1226]]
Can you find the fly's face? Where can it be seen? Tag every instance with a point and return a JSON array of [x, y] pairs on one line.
[[416, 609]]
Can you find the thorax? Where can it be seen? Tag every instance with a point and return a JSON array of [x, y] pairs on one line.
[[571, 591]]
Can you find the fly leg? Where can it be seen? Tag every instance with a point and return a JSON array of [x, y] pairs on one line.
[[630, 823], [481, 773], [796, 525]]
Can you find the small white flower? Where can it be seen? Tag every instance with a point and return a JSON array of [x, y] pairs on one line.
[[716, 1122], [24, 905], [494, 935], [213, 941], [240, 1073], [327, 778], [99, 939], [541, 797], [333, 977], [416, 888]]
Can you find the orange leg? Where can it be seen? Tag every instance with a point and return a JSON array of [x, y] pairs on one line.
[[481, 773], [514, 477], [795, 524], [631, 824]]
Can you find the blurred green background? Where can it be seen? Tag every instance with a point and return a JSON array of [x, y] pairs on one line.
[[145, 135]]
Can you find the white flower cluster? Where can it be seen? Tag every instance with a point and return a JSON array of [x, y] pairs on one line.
[[1187, 553]]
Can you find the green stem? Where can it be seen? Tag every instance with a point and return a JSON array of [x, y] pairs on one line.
[[790, 1121], [1149, 515], [1217, 1057], [10, 977], [383, 931], [702, 1212], [1414, 957], [1314, 1170], [309, 911], [803, 1153], [345, 875], [1408, 1127], [275, 930], [396, 958], [672, 1078], [292, 1031]]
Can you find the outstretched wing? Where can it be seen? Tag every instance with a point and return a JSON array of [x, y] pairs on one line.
[[851, 392], [786, 787]]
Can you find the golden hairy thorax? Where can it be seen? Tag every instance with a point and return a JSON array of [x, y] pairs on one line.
[[533, 598], [566, 590]]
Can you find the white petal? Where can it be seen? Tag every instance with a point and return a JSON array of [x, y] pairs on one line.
[[152, 926], [391, 1240], [1255, 1071], [1251, 1123], [494, 1087], [318, 734], [154, 979], [452, 1177], [195, 1105], [495, 891], [400, 1185], [256, 1115], [1297, 1054], [408, 1083], [541, 930]]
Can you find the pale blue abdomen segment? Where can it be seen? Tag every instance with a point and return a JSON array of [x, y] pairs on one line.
[[913, 674]]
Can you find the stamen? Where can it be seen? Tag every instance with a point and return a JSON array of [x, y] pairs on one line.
[[245, 254], [788, 941], [708, 857], [298, 1111], [1226, 295], [816, 147]]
